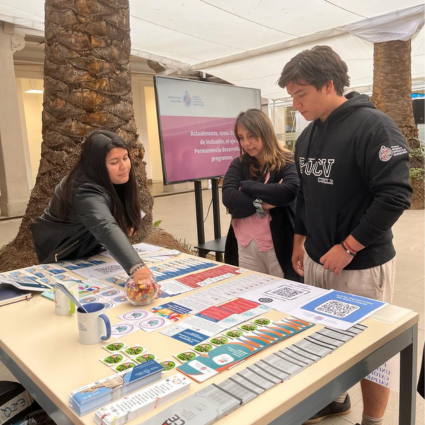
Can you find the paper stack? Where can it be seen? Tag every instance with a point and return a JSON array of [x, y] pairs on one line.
[[137, 404], [96, 394], [202, 408], [223, 357], [216, 401]]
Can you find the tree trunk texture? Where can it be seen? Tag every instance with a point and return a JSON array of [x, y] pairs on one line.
[[392, 94], [87, 86]]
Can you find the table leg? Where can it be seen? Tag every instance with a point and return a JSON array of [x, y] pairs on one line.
[[407, 397], [405, 343], [219, 256]]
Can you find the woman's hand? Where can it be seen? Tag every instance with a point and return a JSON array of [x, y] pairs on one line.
[[267, 206], [144, 274]]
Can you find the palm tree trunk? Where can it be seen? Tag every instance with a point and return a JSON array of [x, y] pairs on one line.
[[392, 84], [87, 86], [392, 94]]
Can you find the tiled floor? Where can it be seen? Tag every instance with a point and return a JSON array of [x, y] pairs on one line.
[[178, 217]]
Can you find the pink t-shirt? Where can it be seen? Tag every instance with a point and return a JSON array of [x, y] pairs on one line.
[[254, 227]]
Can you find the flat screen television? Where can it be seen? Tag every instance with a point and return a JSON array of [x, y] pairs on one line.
[[195, 121]]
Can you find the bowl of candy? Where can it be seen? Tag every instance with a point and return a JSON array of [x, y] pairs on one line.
[[142, 292]]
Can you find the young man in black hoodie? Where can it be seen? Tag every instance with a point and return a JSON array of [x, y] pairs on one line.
[[353, 164]]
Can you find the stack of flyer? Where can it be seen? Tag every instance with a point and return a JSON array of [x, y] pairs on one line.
[[223, 357], [216, 401], [137, 404], [284, 364], [99, 393], [205, 407]]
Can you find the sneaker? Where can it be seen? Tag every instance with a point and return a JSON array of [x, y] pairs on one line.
[[332, 409]]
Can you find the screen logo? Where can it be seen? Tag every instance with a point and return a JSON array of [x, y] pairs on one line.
[[187, 100]]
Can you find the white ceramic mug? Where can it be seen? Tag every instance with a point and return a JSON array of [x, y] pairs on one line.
[[63, 305], [93, 326]]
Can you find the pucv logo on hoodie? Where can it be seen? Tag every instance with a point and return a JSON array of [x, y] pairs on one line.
[[385, 154], [317, 167]]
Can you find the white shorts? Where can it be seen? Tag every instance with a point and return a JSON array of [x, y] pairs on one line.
[[376, 283], [251, 258]]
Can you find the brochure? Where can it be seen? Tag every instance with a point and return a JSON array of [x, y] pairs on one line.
[[178, 268], [138, 403], [41, 274], [241, 388], [140, 248], [204, 407], [283, 294], [184, 333], [172, 311], [252, 381], [225, 356], [337, 309], [100, 271], [27, 286], [96, 394]]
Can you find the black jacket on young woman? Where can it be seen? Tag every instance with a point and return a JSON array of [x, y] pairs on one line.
[[239, 192], [84, 232]]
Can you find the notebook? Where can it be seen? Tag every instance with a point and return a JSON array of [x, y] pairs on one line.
[[10, 295]]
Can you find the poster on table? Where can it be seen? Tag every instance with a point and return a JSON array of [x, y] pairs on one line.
[[101, 271], [337, 309], [283, 295], [196, 121]]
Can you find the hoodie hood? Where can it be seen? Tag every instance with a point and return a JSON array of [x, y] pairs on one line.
[[354, 101]]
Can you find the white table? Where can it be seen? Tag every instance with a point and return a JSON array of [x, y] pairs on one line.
[[43, 352]]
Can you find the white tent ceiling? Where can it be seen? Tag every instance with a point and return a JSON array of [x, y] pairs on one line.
[[245, 42]]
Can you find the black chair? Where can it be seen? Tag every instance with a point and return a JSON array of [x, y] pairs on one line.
[[216, 245]]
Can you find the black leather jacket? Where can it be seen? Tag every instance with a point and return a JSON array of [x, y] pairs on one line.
[[84, 232]]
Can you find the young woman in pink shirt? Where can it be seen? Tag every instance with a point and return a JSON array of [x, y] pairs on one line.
[[259, 191]]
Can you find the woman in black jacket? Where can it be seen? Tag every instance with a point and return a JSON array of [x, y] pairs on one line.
[[95, 206], [259, 190]]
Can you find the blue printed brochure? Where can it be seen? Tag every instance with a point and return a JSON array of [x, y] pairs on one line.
[[96, 394], [338, 310]]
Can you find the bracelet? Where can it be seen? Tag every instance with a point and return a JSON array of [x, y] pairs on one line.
[[349, 247], [347, 250], [135, 268]]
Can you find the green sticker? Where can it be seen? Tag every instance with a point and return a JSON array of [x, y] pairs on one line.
[[145, 358], [235, 333], [168, 365], [186, 356], [219, 340], [125, 366], [113, 359], [249, 327], [116, 346], [262, 321], [134, 351]]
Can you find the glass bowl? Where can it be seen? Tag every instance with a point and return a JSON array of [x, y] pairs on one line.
[[142, 292]]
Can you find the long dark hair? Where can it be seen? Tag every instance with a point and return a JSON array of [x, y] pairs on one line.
[[91, 167], [260, 126]]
